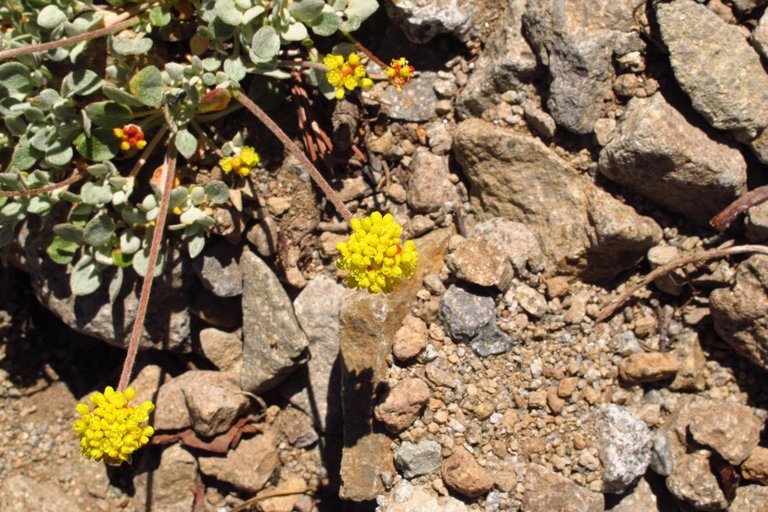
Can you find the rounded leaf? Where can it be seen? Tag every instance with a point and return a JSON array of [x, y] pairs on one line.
[[186, 143], [51, 17], [86, 277], [98, 232], [265, 44]]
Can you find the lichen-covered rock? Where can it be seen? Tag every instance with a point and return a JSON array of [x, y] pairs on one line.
[[623, 445], [418, 459], [406, 497]]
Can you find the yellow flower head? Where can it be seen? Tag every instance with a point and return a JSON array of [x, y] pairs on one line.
[[375, 256], [399, 72], [242, 163], [131, 136], [113, 430], [346, 75]]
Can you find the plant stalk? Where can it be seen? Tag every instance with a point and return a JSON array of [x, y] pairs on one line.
[[116, 25], [75, 176], [169, 168], [296, 152]]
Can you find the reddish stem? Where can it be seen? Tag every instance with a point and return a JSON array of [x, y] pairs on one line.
[[76, 175], [116, 25], [725, 218], [296, 152], [169, 168]]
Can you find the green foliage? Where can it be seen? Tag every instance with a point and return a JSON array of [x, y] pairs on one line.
[[60, 113]]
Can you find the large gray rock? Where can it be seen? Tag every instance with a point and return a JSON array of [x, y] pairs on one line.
[[580, 227], [416, 102], [464, 314], [166, 487], [421, 20], [317, 310], [518, 243], [507, 61], [219, 269], [658, 153], [750, 498], [109, 315], [273, 343], [740, 313], [623, 445], [721, 73], [576, 40], [418, 459]]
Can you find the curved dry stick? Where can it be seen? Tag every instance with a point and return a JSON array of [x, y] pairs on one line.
[[296, 152], [116, 26], [725, 218], [146, 286], [76, 175], [610, 308]]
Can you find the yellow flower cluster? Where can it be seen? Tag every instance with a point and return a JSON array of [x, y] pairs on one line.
[[131, 136], [243, 163], [399, 72], [113, 430], [347, 74], [374, 256]]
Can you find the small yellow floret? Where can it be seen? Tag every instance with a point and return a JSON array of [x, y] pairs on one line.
[[375, 256], [346, 74], [399, 72], [242, 163], [114, 429]]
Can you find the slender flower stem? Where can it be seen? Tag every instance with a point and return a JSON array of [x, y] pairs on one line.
[[116, 25], [296, 152], [169, 168], [75, 176], [366, 51], [148, 151]]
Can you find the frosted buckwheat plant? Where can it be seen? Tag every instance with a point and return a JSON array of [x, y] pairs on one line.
[[375, 255]]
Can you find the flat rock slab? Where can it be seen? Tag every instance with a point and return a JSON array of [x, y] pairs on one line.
[[248, 467], [273, 343], [580, 227], [368, 324]]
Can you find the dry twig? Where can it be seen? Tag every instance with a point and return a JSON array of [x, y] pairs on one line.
[[612, 306]]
